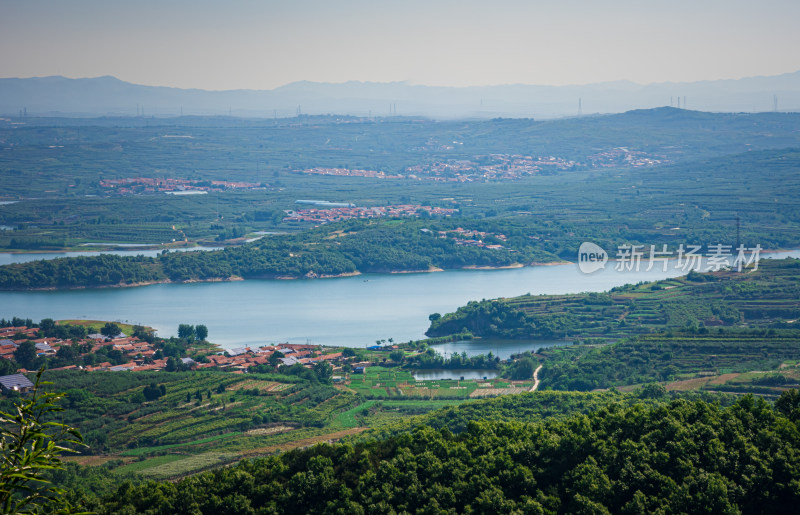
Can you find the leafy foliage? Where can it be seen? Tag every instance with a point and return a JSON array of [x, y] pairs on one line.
[[31, 445]]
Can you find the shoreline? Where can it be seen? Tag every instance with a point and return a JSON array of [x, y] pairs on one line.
[[312, 275], [485, 267], [270, 277], [102, 249]]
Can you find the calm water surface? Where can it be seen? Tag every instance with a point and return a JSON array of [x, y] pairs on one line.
[[503, 349], [456, 373], [350, 311]]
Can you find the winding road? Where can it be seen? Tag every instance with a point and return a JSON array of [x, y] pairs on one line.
[[536, 378]]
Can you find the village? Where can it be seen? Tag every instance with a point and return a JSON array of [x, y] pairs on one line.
[[140, 185], [471, 238], [373, 372], [338, 214], [131, 353], [498, 167]]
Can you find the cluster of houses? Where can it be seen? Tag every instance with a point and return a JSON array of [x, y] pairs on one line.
[[240, 359], [502, 167], [497, 167], [346, 172], [337, 214], [470, 238], [622, 156], [140, 355], [137, 185]]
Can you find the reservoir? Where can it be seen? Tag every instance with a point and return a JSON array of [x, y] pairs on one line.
[[454, 374], [348, 311]]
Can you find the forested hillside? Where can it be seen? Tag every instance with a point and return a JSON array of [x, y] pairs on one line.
[[366, 247], [680, 457]]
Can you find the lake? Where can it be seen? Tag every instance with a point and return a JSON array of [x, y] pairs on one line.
[[455, 373], [348, 311], [502, 349]]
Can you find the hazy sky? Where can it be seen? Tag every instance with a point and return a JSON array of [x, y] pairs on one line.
[[263, 44]]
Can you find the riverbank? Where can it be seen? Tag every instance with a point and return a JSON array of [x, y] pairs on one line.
[[348, 311], [277, 277], [131, 285]]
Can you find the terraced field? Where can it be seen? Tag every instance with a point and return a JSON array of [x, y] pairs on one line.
[[670, 359], [766, 297], [209, 418]]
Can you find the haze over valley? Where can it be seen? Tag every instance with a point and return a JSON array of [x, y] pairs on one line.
[[430, 257]]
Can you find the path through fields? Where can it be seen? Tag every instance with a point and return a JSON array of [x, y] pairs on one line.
[[536, 379]]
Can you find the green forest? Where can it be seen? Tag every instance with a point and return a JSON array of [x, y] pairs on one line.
[[672, 456], [356, 246]]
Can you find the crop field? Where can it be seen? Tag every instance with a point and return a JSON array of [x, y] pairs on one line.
[[378, 383], [209, 418]]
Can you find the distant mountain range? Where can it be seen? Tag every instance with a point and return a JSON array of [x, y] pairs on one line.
[[108, 96]]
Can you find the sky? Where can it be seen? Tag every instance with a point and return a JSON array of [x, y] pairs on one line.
[[249, 44]]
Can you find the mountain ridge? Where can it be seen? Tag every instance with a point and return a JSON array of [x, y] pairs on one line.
[[108, 95]]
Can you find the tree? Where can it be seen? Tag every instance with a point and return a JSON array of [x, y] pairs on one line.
[[275, 357], [143, 334], [66, 353], [151, 392], [186, 332], [397, 356], [433, 317], [523, 368], [115, 356], [652, 391], [789, 404], [110, 330], [324, 371], [7, 367], [30, 448], [201, 332], [47, 325], [25, 354]]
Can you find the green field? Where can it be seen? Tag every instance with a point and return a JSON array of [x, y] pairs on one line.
[[237, 415]]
